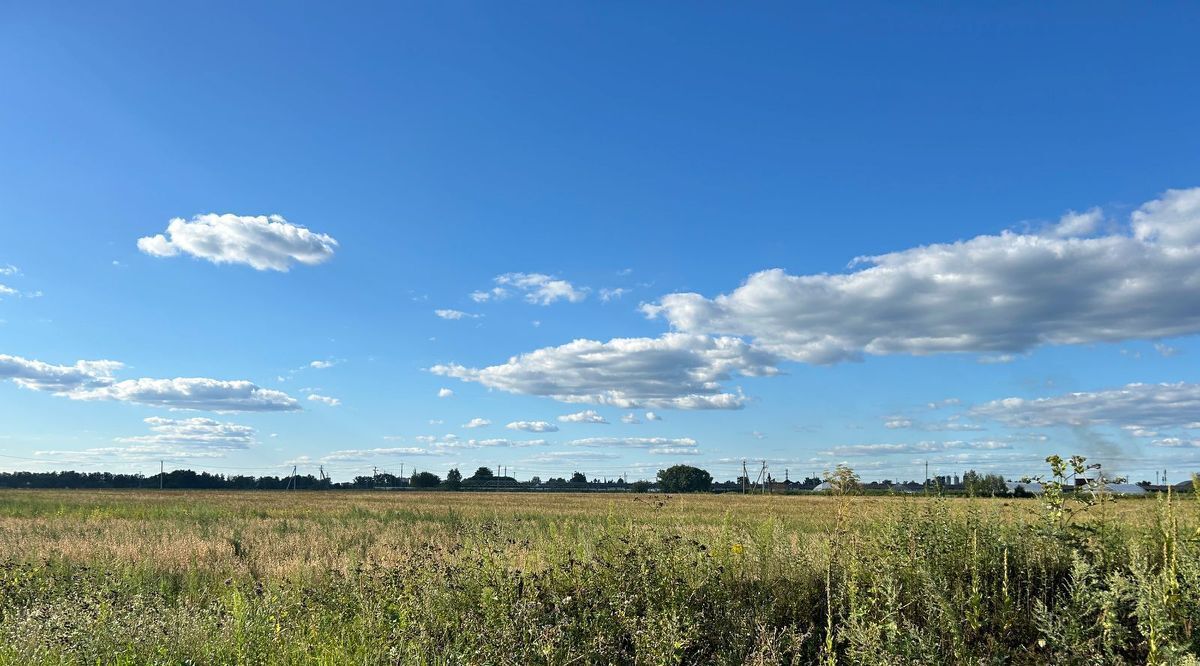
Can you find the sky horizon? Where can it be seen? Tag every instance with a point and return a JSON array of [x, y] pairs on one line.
[[599, 238]]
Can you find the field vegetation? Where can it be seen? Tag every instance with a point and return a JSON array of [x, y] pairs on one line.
[[206, 577]]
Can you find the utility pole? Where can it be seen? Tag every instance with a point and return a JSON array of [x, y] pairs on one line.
[[745, 476], [293, 477], [402, 470]]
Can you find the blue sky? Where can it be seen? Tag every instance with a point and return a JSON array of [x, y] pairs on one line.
[[671, 200]]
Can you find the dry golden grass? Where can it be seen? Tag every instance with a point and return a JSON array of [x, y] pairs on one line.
[[434, 577]]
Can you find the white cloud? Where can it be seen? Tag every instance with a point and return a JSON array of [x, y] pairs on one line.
[[9, 269], [572, 456], [494, 294], [651, 416], [477, 423], [436, 421], [455, 314], [532, 426], [952, 423], [452, 441], [93, 380], [1176, 442], [360, 455], [915, 447], [1165, 350], [630, 418], [444, 393], [758, 435], [1076, 225], [586, 416], [633, 442], [324, 399], [8, 291], [198, 393], [996, 294], [496, 442], [676, 370], [539, 289], [61, 379], [129, 454], [607, 295], [194, 432], [262, 242], [322, 365], [1143, 405]]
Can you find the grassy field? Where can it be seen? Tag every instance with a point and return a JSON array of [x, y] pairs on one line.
[[467, 578]]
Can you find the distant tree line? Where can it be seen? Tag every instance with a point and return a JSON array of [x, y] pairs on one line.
[[677, 479]]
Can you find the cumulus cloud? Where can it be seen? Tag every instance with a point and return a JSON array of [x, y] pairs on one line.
[[62, 379], [1076, 225], [444, 393], [1142, 405], [9, 269], [677, 370], [455, 315], [195, 432], [262, 242], [538, 288], [651, 416], [586, 416], [532, 426], [322, 365], [198, 393], [477, 423], [94, 380], [993, 294], [324, 399], [630, 418]]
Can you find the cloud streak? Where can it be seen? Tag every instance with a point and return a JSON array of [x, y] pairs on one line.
[[94, 380]]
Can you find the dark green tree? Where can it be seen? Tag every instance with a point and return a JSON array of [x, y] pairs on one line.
[[684, 479], [578, 477], [453, 479], [425, 480], [483, 473]]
